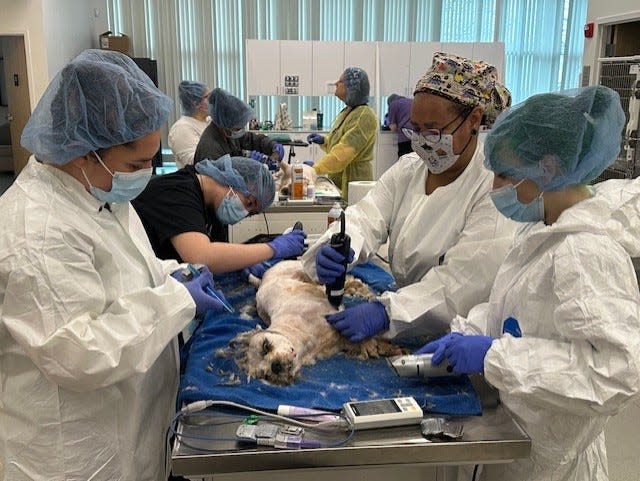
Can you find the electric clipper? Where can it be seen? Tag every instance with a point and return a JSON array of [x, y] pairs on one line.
[[418, 365], [341, 242]]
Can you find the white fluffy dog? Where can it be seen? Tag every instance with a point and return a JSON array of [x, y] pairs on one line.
[[293, 306]]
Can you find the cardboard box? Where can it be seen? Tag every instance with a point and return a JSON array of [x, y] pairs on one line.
[[119, 43]]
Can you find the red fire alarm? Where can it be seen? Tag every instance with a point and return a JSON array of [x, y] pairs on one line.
[[588, 30]]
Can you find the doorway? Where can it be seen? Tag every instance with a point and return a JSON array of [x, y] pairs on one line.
[[15, 108]]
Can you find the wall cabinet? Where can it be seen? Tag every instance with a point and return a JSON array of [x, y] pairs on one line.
[[328, 65], [263, 67]]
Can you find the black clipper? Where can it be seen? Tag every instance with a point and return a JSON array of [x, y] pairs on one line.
[[342, 243]]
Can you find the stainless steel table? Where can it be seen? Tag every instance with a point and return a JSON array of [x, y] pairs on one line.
[[491, 438]]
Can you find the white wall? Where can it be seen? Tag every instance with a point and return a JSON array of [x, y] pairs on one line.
[[55, 31], [69, 29], [599, 9]]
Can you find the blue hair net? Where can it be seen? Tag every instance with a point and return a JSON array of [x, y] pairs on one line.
[[245, 176], [557, 139], [357, 84], [227, 111], [191, 94], [99, 99]]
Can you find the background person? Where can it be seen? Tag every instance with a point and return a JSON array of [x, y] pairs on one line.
[[560, 335], [185, 133], [349, 145], [227, 135], [88, 314], [186, 214], [446, 238], [400, 118]]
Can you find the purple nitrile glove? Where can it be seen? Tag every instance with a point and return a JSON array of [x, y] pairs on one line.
[[257, 156], [315, 139], [437, 347], [329, 263], [279, 149], [288, 245], [198, 286], [466, 353], [308, 162], [360, 322]]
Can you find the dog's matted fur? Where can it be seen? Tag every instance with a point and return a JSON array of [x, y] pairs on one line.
[[293, 306]]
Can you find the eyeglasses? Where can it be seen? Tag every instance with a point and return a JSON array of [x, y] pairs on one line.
[[433, 136]]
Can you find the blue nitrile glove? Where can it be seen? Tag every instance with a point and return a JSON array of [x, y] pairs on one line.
[[329, 263], [196, 287], [288, 245], [360, 322], [257, 155], [308, 162], [466, 353], [437, 347], [257, 270], [315, 139], [279, 149]]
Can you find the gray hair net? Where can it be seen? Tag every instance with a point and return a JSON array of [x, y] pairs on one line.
[[191, 94], [244, 175], [557, 139], [99, 99], [357, 84], [227, 111], [392, 98]]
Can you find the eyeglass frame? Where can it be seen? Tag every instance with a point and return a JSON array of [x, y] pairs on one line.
[[435, 135]]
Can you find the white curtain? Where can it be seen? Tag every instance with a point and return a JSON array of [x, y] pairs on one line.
[[205, 39]]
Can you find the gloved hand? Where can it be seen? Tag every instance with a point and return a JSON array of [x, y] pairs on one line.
[[288, 245], [258, 156], [279, 149], [329, 263], [308, 162], [438, 347], [197, 288], [466, 353], [315, 139], [360, 322], [257, 270]]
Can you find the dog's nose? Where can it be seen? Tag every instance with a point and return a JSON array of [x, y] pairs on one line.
[[276, 367]]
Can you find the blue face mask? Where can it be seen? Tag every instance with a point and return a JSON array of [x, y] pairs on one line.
[[506, 201], [231, 210], [125, 186]]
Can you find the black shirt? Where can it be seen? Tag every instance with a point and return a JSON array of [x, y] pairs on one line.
[[173, 204], [214, 144]]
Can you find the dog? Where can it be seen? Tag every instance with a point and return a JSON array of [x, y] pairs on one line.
[[284, 178], [293, 307]]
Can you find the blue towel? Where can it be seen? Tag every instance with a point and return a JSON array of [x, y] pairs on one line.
[[325, 385]]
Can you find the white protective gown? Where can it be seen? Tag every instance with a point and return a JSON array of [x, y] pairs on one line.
[[573, 290], [183, 139], [444, 248], [88, 319]]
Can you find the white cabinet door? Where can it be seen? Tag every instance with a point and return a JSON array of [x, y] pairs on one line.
[[491, 52], [421, 59], [295, 65], [386, 152], [463, 49], [263, 67], [328, 65], [393, 63], [363, 55]]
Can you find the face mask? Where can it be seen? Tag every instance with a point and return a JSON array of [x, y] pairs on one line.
[[506, 201], [231, 210], [236, 134], [125, 186], [438, 156]]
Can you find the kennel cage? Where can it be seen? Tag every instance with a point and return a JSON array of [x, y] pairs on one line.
[[622, 74]]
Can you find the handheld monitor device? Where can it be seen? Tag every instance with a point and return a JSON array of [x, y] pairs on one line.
[[383, 413]]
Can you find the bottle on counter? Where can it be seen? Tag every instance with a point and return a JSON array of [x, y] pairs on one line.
[[297, 180], [311, 191], [334, 213], [319, 119]]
